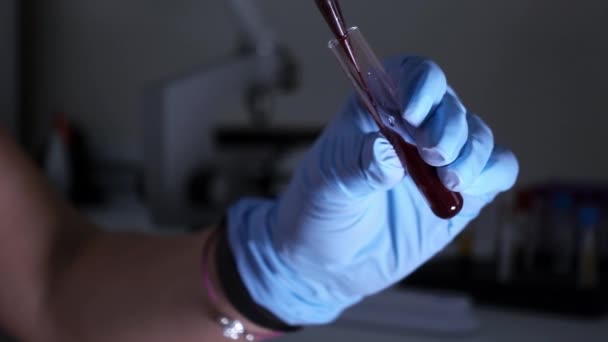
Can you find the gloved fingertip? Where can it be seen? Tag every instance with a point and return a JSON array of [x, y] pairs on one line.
[[417, 109], [424, 85], [451, 180], [510, 167], [385, 153], [500, 174], [383, 169], [433, 156]]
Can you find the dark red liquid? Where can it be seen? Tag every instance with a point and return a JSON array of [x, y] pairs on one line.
[[444, 203], [333, 16]]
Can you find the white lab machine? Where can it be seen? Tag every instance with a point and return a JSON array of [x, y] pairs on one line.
[[182, 118]]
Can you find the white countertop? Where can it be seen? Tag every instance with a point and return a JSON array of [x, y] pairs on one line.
[[493, 325]]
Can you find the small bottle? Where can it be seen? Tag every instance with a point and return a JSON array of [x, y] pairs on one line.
[[486, 234], [563, 222], [514, 225], [588, 218], [57, 164], [506, 251], [531, 230]]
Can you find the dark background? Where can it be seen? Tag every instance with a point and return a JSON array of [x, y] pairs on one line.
[[535, 70]]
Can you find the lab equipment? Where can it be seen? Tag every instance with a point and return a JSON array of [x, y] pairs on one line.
[[379, 94], [552, 253], [196, 160]]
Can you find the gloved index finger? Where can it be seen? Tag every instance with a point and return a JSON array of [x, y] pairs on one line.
[[422, 87], [441, 137]]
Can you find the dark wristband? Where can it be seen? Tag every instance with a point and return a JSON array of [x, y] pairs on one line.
[[237, 294]]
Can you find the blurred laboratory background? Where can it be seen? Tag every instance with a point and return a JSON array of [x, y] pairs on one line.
[[155, 115]]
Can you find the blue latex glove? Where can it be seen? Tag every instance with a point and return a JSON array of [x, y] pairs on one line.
[[351, 223]]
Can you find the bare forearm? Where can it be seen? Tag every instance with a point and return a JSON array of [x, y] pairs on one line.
[[64, 280], [138, 288], [35, 232], [132, 287]]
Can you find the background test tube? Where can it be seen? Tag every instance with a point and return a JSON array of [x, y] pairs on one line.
[[379, 95]]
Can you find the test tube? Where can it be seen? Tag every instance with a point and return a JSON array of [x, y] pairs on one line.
[[379, 94]]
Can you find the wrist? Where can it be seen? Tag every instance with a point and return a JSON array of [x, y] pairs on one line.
[[299, 295], [229, 314], [236, 292]]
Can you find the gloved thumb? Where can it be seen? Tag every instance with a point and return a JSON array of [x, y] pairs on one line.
[[344, 166], [380, 168]]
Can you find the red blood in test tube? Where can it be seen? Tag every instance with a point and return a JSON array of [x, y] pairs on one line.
[[443, 202]]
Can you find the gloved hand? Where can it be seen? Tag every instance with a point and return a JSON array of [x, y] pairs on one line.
[[351, 222]]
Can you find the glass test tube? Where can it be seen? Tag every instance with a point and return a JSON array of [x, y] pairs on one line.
[[379, 95]]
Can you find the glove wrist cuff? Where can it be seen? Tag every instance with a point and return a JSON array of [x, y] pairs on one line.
[[236, 291]]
